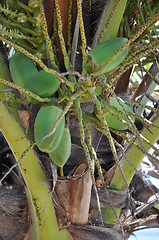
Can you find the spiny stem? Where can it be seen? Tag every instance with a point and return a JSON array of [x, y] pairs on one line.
[[109, 19], [123, 153], [133, 127], [153, 78], [146, 122], [29, 55], [86, 150], [127, 64], [61, 37], [17, 163], [116, 113], [132, 39], [54, 26], [60, 76], [69, 27], [88, 135], [47, 38], [142, 29], [137, 50], [92, 150], [131, 141], [83, 37], [137, 104], [123, 109], [107, 131], [24, 91], [151, 98]]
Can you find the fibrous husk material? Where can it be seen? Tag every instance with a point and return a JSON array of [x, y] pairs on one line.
[[93, 233], [14, 221], [74, 192]]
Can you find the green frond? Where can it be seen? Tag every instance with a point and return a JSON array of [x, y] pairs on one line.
[[14, 33], [8, 12]]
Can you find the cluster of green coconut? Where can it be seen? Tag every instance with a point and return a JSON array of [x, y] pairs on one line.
[[26, 75]]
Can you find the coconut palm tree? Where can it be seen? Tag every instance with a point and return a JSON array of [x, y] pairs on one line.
[[78, 106]]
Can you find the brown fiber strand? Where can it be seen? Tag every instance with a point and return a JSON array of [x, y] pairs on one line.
[[49, 10], [64, 8]]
